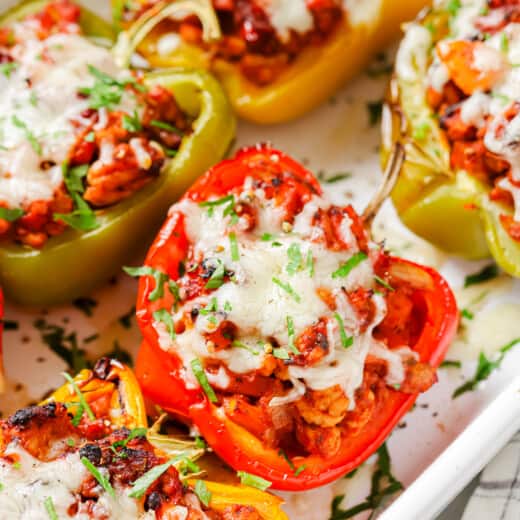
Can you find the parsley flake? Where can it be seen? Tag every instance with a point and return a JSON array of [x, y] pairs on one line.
[[352, 262], [287, 288], [198, 372], [253, 481]]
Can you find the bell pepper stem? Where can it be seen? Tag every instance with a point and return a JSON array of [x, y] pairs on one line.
[[390, 176], [129, 40]]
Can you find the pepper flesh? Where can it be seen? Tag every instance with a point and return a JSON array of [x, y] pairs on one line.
[[116, 397], [447, 207], [2, 380], [296, 90], [161, 373], [124, 229]]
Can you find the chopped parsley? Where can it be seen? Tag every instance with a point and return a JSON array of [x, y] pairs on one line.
[[51, 510], [11, 214], [383, 484], [485, 367], [202, 491], [165, 126], [295, 470], [352, 262], [165, 317], [126, 319], [120, 354], [450, 364], [287, 288], [73, 177], [466, 313], [281, 353], [291, 334], [198, 372], [28, 134], [266, 237], [253, 481], [383, 283], [504, 43], [346, 341], [82, 218], [132, 122], [8, 68], [145, 481], [486, 273], [90, 137], [299, 470], [63, 344], [9, 324], [375, 109], [310, 263], [240, 344], [83, 405], [228, 200], [217, 277], [338, 177], [85, 304], [106, 91], [233, 244], [295, 259], [134, 433], [453, 7], [102, 480], [159, 277]]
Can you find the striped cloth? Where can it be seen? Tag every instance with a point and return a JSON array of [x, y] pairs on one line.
[[497, 496]]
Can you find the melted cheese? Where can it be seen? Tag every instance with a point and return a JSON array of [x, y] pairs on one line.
[[56, 68], [412, 57], [26, 488], [363, 11], [481, 108], [289, 16], [259, 306]]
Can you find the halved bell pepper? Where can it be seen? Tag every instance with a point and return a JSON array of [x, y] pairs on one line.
[[447, 207], [112, 394], [161, 373], [308, 81], [73, 263]]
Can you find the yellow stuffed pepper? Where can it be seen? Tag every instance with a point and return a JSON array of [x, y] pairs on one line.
[[276, 60], [86, 452]]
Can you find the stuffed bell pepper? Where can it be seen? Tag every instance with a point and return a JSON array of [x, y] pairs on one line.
[[86, 453], [276, 326], [455, 107], [91, 155], [276, 59]]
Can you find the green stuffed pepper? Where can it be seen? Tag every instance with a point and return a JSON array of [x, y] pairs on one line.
[[91, 155], [454, 108]]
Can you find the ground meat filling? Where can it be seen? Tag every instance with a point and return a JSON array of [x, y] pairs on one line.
[[471, 89], [47, 434], [250, 38], [113, 138], [304, 367]]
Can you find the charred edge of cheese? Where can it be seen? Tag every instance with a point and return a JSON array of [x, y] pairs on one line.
[[259, 307]]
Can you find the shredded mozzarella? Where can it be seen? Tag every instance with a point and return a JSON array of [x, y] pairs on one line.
[[265, 293], [39, 103], [26, 487]]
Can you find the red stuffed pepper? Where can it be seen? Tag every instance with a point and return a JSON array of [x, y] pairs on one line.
[[272, 323]]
